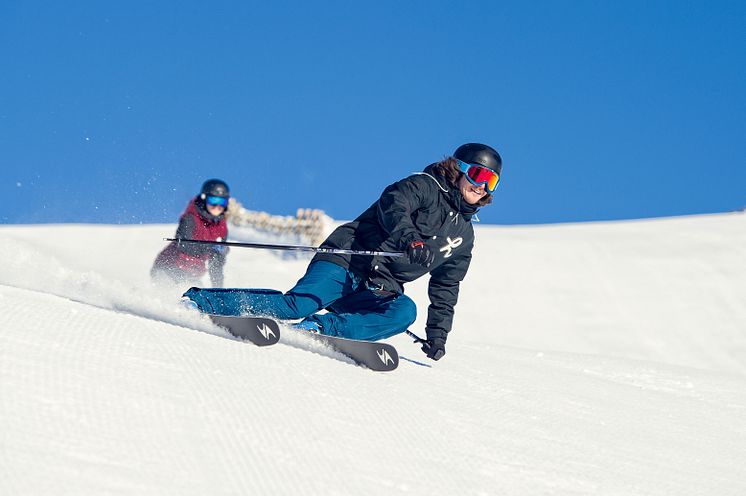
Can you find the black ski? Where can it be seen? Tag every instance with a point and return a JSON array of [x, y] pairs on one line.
[[260, 331], [380, 357]]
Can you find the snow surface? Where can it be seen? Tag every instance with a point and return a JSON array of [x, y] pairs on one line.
[[600, 358]]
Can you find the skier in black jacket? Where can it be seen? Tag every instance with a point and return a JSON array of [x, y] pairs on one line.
[[428, 217]]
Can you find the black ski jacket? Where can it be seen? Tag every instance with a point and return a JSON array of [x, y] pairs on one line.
[[422, 206]]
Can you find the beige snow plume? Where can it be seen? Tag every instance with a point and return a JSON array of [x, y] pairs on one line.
[[308, 223]]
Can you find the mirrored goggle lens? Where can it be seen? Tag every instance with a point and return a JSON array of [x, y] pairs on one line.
[[217, 201], [483, 175]]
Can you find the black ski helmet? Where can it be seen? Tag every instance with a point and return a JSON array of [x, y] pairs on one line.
[[215, 187], [479, 154]]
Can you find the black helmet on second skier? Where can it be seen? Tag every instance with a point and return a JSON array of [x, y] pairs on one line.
[[215, 187]]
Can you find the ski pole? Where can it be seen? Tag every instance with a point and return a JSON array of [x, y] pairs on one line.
[[289, 247], [417, 339]]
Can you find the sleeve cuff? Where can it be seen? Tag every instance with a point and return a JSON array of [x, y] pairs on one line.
[[436, 334]]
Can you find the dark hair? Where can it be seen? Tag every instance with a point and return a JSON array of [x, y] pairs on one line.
[[449, 168]]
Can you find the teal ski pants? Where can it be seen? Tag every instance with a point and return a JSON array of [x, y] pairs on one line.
[[353, 310]]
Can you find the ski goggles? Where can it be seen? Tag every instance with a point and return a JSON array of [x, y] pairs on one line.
[[479, 175], [217, 201]]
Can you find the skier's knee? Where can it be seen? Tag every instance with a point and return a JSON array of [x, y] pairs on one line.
[[191, 292], [408, 311]]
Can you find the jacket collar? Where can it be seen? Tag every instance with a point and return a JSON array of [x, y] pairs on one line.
[[452, 193]]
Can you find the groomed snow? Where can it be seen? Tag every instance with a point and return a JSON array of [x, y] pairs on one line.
[[600, 358]]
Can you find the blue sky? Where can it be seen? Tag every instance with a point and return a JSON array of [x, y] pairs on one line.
[[116, 112]]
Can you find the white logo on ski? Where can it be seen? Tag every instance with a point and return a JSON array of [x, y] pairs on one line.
[[384, 356], [266, 331], [452, 243]]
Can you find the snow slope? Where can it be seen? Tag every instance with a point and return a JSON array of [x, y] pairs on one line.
[[605, 358]]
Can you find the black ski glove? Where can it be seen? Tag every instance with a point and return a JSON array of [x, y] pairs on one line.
[[419, 253], [434, 348]]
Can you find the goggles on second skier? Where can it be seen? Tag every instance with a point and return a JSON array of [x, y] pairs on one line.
[[218, 201], [479, 175]]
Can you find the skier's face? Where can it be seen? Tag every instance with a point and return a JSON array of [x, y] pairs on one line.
[[215, 210], [471, 193]]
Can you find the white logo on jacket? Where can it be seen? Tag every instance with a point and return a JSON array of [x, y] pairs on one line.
[[452, 243]]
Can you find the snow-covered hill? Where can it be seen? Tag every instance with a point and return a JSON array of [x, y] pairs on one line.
[[604, 358]]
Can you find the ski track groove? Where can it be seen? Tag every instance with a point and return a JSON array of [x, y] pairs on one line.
[[211, 396]]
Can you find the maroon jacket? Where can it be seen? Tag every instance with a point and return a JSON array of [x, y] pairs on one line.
[[191, 260]]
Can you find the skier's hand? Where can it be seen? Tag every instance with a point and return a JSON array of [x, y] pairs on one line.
[[419, 253], [434, 348]]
